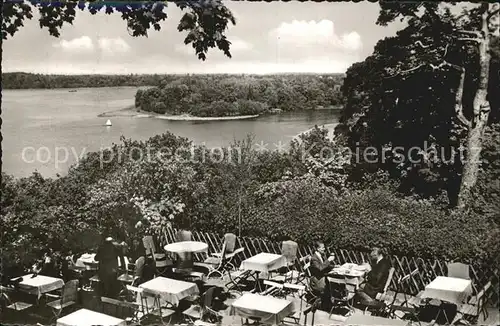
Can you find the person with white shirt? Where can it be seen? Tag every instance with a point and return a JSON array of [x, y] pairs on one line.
[[320, 266]]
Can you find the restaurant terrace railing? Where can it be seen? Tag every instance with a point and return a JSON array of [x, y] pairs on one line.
[[428, 269]]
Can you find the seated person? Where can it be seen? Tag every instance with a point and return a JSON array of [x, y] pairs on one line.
[[69, 269], [47, 266], [137, 255], [320, 266], [376, 278]]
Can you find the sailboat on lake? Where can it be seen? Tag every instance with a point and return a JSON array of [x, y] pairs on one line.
[[108, 123]]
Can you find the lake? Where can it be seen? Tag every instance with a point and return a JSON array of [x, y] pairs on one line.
[[40, 124]]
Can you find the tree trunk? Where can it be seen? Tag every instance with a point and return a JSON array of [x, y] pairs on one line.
[[480, 117]]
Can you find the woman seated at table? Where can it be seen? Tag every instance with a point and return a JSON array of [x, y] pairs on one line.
[[320, 266], [376, 278], [137, 254], [69, 269], [47, 266]]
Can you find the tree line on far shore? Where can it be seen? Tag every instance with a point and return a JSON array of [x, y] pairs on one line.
[[22, 80]]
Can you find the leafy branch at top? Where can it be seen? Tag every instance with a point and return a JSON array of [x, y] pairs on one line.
[[205, 21]]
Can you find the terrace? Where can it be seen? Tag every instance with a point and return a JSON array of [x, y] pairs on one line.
[[257, 282]]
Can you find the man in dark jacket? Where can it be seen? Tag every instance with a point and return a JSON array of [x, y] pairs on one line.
[[376, 278], [320, 266], [107, 256]]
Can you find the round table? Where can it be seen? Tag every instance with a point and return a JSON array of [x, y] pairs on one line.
[[186, 246]]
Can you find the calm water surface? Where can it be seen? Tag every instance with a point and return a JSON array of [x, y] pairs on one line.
[[41, 121]]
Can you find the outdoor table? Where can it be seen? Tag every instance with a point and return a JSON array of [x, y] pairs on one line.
[[267, 309], [84, 317], [186, 247], [87, 261], [349, 274], [40, 284], [170, 290], [262, 264], [448, 289]]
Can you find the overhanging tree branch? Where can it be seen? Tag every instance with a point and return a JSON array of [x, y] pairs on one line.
[[493, 13]]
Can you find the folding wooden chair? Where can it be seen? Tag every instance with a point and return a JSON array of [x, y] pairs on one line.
[[409, 306], [301, 278], [6, 301], [345, 301], [204, 308], [236, 279], [121, 309], [379, 305], [474, 307], [300, 290], [288, 273], [68, 297], [220, 261], [157, 311], [458, 270], [160, 259], [273, 289]]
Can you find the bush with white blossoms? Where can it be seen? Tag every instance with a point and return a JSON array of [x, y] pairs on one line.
[[158, 214], [331, 170]]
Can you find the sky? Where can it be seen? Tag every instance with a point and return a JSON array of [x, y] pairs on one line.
[[317, 37]]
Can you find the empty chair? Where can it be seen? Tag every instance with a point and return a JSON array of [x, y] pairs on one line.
[[220, 260], [289, 250], [183, 235], [458, 270], [186, 258], [160, 259], [285, 274], [68, 297], [204, 309], [120, 309]]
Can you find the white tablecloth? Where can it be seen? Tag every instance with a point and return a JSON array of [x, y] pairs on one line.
[[270, 310], [40, 284], [350, 274], [84, 317], [448, 289], [187, 246], [170, 290], [263, 262], [86, 259]]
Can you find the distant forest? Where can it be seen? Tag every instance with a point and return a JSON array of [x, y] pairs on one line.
[[22, 80], [231, 95]]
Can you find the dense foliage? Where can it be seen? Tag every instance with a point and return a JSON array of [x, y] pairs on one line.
[[205, 21], [269, 194], [227, 95], [407, 95], [22, 80]]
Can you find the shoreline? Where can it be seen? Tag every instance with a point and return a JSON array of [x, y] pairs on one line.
[[328, 126], [131, 111]]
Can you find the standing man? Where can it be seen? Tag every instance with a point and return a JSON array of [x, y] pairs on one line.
[[107, 256]]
